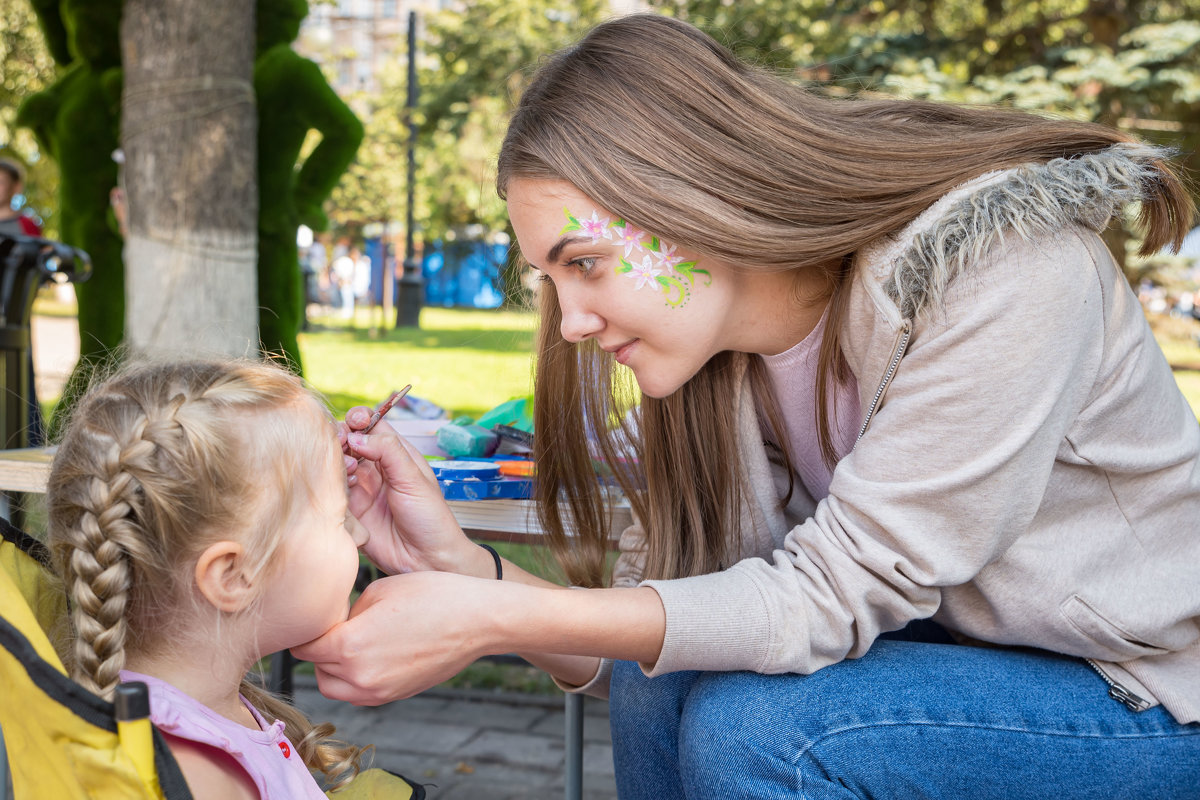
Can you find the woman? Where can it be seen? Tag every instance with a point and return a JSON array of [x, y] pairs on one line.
[[889, 374]]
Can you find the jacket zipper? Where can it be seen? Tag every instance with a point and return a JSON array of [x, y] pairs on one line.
[[897, 354], [1118, 692]]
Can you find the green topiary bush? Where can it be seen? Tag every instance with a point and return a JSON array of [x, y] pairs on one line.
[[293, 98]]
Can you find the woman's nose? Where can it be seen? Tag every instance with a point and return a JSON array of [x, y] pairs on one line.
[[578, 321]]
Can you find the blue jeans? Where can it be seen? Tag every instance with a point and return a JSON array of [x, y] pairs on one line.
[[910, 719]]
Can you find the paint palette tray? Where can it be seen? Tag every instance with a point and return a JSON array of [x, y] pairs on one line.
[[478, 480]]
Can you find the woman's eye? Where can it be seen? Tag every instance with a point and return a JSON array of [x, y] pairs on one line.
[[584, 265]]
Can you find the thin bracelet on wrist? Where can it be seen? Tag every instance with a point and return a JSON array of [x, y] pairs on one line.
[[496, 558]]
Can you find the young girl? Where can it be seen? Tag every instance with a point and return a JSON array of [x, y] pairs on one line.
[[915, 492], [197, 516]]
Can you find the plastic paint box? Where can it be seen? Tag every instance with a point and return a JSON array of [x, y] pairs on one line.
[[478, 480]]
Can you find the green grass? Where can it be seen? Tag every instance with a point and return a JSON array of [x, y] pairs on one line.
[[464, 360]]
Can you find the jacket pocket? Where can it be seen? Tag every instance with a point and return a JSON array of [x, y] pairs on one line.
[[1112, 642]]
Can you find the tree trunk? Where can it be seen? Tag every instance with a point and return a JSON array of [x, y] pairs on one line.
[[189, 139]]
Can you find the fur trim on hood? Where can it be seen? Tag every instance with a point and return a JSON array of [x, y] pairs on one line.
[[1028, 201]]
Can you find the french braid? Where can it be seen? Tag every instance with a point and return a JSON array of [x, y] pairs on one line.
[[101, 553], [100, 575]]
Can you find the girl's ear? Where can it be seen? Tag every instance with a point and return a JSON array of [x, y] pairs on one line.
[[221, 577]]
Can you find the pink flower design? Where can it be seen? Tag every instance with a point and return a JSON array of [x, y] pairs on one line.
[[666, 256], [596, 227], [629, 236], [644, 273]]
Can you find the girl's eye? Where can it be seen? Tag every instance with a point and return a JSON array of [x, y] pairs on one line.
[[585, 264]]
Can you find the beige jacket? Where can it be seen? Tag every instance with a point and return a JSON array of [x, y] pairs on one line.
[[1027, 471]]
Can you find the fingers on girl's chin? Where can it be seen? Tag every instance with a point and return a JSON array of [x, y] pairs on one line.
[[336, 688], [332, 687]]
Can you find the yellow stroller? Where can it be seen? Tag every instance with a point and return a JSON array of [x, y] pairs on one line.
[[64, 742]]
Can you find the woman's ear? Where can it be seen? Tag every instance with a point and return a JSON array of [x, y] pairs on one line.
[[222, 578]]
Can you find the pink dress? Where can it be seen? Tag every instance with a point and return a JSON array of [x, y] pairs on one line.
[[267, 756]]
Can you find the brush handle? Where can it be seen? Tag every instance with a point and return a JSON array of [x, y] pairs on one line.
[[387, 406], [383, 409]]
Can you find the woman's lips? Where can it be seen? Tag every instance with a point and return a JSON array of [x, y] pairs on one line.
[[624, 352]]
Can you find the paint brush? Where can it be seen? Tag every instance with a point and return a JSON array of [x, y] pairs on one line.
[[382, 411], [384, 408]]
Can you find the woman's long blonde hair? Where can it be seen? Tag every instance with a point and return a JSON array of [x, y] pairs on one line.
[[657, 123], [157, 462]]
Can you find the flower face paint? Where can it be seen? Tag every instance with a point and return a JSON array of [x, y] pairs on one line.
[[647, 260], [645, 308], [595, 227]]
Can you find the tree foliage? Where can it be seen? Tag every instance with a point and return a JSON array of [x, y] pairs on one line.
[[372, 189], [1131, 63], [474, 61], [1134, 64]]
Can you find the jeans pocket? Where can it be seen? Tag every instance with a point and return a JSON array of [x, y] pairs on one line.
[[1111, 641]]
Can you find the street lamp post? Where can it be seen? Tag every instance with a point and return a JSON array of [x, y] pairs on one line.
[[412, 284]]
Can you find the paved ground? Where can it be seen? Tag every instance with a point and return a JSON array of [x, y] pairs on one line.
[[474, 745], [461, 745]]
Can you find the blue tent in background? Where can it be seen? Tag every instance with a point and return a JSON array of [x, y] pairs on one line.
[[464, 272]]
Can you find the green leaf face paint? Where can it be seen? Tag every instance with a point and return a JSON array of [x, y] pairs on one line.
[[647, 260]]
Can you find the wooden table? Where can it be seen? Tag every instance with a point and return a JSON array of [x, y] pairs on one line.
[[28, 470], [25, 470], [494, 520]]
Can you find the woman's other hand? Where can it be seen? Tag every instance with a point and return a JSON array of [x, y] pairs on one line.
[[405, 634]]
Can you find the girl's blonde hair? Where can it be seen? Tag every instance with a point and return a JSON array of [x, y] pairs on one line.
[[657, 123], [159, 461]]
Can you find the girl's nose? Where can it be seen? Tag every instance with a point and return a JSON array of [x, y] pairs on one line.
[[578, 322]]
